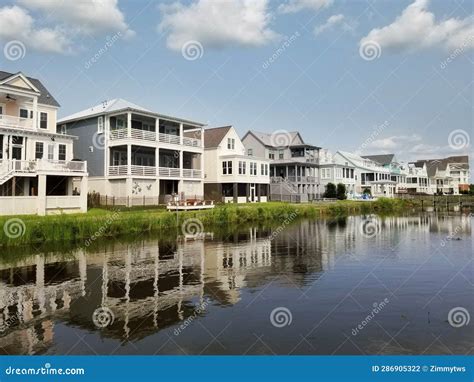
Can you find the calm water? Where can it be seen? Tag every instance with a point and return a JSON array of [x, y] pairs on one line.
[[306, 290]]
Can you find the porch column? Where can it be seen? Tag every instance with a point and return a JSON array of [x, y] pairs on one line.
[[35, 112], [258, 192], [129, 160], [157, 129], [180, 162], [83, 195], [181, 131], [157, 160], [202, 140], [41, 195], [247, 193], [129, 125], [235, 192]]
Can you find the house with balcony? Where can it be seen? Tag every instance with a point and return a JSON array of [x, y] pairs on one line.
[[38, 171], [231, 175], [417, 181], [293, 164], [334, 168], [136, 155], [369, 175], [447, 175], [398, 170]]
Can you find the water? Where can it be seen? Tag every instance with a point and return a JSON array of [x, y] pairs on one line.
[[308, 290]]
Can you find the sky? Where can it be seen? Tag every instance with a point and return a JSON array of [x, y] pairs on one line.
[[368, 76]]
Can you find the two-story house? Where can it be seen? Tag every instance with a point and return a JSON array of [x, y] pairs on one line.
[[293, 164], [334, 168], [230, 174], [38, 173], [398, 171], [136, 155]]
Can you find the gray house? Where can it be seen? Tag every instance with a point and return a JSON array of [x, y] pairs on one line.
[[135, 154], [293, 163]]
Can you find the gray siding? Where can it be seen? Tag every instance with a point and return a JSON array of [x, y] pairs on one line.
[[250, 142], [85, 130]]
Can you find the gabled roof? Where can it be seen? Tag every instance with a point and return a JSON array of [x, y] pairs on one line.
[[213, 137], [434, 165], [382, 159], [267, 139], [45, 97], [115, 106]]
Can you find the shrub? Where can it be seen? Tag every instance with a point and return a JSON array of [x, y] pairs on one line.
[[341, 191], [330, 191]]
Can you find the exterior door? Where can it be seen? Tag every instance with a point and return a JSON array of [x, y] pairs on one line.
[[252, 192]]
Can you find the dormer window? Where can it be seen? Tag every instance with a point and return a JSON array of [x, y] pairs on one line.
[[100, 125]]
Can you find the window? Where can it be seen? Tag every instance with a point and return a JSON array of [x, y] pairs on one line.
[[281, 154], [51, 152], [250, 152], [262, 169], [100, 124], [23, 113], [231, 143], [266, 169], [271, 154], [62, 152], [242, 167], [62, 129], [253, 168], [227, 167], [39, 147], [43, 120]]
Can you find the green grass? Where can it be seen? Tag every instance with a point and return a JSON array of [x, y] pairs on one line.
[[107, 223]]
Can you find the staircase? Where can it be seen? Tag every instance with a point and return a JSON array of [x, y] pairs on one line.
[[282, 190], [6, 176]]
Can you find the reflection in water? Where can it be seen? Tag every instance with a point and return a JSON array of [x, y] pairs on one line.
[[328, 273]]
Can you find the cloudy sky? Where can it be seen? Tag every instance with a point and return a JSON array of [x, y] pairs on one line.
[[371, 76]]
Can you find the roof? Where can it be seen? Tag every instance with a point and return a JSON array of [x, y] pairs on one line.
[[114, 106], [272, 139], [434, 165], [383, 159], [213, 137], [45, 97]]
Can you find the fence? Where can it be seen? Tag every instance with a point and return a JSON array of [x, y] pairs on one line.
[[97, 200]]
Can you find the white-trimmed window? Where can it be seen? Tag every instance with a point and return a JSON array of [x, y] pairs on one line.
[[242, 167], [253, 168], [43, 120], [231, 143], [100, 124], [62, 152], [250, 152], [39, 150], [62, 129], [227, 167], [51, 151]]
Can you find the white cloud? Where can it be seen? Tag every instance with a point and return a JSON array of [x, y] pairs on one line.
[[84, 17], [394, 142], [217, 24], [329, 24], [294, 6], [17, 24], [417, 28]]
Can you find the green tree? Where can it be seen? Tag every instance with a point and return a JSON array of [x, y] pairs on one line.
[[367, 191], [330, 191], [341, 191]]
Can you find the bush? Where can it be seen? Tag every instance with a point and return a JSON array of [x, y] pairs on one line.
[[341, 191], [330, 191], [367, 191]]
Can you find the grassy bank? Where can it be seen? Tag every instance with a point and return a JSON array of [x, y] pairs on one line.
[[99, 224]]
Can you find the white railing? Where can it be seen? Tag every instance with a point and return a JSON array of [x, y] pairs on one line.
[[63, 202], [191, 173], [143, 135], [118, 134], [143, 170], [168, 138], [61, 166], [12, 121], [191, 142], [118, 170], [169, 172]]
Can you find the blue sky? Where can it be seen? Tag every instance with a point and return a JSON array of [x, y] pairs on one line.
[[413, 96]]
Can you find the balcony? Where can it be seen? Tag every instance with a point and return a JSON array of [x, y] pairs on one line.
[[146, 135], [162, 172], [16, 122]]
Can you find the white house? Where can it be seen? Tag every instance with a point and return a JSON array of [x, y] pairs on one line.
[[230, 174], [136, 155], [334, 168], [38, 173]]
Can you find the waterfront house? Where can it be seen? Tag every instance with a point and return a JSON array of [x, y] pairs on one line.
[[38, 170], [231, 175], [398, 170], [293, 164], [334, 168], [138, 156]]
